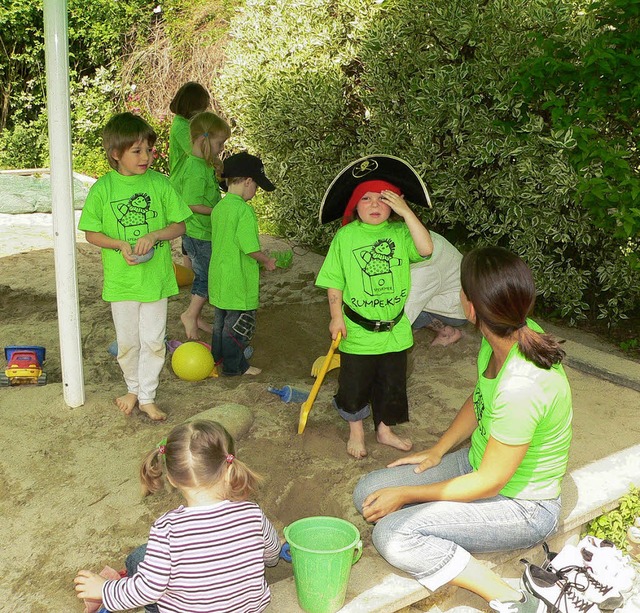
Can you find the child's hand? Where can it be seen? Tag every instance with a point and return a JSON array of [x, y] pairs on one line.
[[397, 203], [145, 243], [337, 325], [89, 585], [127, 253], [270, 264]]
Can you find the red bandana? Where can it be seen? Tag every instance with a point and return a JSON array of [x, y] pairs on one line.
[[360, 190]]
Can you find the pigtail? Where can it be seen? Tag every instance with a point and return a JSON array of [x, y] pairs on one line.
[[212, 160], [242, 482], [541, 349], [152, 471], [208, 125]]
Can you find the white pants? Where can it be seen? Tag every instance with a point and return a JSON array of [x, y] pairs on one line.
[[140, 332]]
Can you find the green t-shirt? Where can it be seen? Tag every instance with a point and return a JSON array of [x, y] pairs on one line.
[[127, 208], [179, 142], [524, 404], [234, 276], [196, 182], [370, 265]]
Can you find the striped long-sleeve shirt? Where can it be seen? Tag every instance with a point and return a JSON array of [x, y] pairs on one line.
[[208, 559]]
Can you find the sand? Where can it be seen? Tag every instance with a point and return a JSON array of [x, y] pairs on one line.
[[69, 492]]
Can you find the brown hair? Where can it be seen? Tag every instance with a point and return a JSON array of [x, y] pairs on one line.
[[123, 131], [197, 454], [189, 100], [209, 125], [500, 286]]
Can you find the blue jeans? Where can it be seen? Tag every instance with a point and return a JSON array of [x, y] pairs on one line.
[[199, 253], [425, 318], [131, 564], [432, 541], [232, 333]]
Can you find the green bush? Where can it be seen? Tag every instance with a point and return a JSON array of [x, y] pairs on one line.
[[313, 85], [26, 146], [590, 91], [93, 101], [614, 524], [100, 34]]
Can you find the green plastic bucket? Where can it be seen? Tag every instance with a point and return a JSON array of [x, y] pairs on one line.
[[323, 549]]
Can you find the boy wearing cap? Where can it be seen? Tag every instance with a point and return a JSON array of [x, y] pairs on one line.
[[234, 269]]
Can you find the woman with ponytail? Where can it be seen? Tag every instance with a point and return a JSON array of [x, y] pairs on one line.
[[433, 509], [208, 555]]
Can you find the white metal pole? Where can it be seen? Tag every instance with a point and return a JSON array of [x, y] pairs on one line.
[[64, 244]]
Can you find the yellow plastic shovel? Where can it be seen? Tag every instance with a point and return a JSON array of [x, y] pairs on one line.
[[318, 362], [308, 403]]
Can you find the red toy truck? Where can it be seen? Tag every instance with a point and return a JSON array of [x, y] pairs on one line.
[[24, 365]]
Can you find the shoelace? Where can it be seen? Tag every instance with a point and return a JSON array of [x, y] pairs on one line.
[[581, 570], [567, 590], [568, 593]]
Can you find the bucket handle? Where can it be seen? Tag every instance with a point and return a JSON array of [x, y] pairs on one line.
[[357, 553]]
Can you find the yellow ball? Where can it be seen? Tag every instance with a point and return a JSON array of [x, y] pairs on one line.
[[192, 361]]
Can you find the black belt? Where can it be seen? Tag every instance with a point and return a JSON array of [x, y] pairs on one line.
[[371, 324]]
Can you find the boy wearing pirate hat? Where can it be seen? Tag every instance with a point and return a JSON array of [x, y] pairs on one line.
[[366, 274]]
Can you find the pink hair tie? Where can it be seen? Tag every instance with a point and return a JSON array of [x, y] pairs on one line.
[[230, 458], [162, 446]]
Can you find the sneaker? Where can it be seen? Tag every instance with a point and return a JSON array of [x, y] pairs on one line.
[[607, 563], [633, 534], [559, 594], [528, 604], [569, 564]]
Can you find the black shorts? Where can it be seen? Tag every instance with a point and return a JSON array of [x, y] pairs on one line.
[[378, 380]]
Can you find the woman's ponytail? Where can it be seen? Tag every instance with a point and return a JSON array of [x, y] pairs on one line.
[[541, 349]]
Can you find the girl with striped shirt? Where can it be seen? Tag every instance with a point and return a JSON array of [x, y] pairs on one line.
[[207, 556]]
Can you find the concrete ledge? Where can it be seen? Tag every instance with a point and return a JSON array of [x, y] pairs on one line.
[[606, 363], [595, 488], [374, 587], [377, 587]]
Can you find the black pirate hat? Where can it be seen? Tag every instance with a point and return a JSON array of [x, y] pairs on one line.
[[372, 168]]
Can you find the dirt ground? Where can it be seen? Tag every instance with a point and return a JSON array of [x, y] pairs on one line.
[[69, 492]]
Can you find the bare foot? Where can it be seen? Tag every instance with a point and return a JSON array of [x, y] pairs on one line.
[[127, 402], [204, 326], [355, 444], [190, 326], [153, 412], [252, 370], [446, 336], [386, 436]]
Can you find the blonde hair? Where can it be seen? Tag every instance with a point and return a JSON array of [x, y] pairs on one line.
[[210, 126], [198, 454], [123, 131]]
